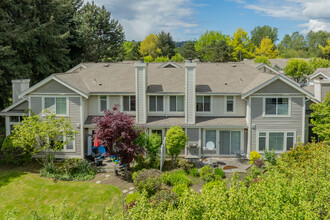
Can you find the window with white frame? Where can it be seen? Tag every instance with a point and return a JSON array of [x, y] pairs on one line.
[[14, 120], [230, 104], [176, 103], [275, 140], [277, 106], [203, 103], [129, 103], [156, 103], [68, 147], [103, 103], [58, 105]]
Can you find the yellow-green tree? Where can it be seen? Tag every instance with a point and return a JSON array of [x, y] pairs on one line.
[[148, 46], [267, 48], [326, 49], [242, 45]]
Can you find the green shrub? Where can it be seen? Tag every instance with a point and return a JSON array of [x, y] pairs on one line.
[[194, 172], [219, 173], [205, 170], [271, 157], [176, 178], [147, 180], [16, 155], [131, 198], [180, 189], [185, 165], [208, 177], [164, 198], [70, 169], [177, 58], [209, 186]]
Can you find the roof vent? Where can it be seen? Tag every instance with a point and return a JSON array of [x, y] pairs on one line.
[[106, 65], [226, 84], [234, 65], [321, 77]]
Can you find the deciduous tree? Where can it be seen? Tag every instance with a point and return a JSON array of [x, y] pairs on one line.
[[188, 50], [326, 49], [166, 44], [242, 45], [321, 118], [175, 141], [259, 33], [131, 50], [149, 46], [207, 42], [267, 49], [298, 69], [116, 131]]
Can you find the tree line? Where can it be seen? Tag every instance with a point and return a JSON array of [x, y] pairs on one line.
[[41, 37]]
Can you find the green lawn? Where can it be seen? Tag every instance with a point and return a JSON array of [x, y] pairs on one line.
[[25, 191]]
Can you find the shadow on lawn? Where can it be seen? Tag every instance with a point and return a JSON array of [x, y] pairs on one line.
[[8, 177]]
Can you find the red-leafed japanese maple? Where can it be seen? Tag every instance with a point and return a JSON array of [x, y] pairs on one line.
[[116, 131]]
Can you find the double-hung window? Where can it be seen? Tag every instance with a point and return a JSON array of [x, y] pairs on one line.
[[103, 103], [156, 103], [230, 104], [69, 146], [14, 120], [176, 103], [277, 106], [275, 140], [129, 103], [56, 104], [203, 103]]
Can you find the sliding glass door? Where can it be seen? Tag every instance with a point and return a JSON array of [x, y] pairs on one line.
[[230, 142]]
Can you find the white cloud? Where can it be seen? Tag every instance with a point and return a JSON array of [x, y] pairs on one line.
[[315, 13], [140, 18]]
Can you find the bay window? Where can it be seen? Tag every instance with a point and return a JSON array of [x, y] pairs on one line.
[[58, 105], [203, 103], [277, 106], [176, 103]]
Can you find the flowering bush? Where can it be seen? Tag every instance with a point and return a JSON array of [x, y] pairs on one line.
[[254, 155]]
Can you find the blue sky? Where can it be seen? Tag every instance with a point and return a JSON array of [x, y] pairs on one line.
[[188, 19]]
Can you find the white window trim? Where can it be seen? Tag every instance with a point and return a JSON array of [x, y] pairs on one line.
[[211, 101], [67, 104], [156, 103], [176, 103], [99, 103], [64, 146], [234, 105], [276, 131], [122, 101], [12, 122], [217, 144], [276, 116]]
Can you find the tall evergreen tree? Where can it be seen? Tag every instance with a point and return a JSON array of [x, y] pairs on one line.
[[166, 44], [99, 36], [33, 40]]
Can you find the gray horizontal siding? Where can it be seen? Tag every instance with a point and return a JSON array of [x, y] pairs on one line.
[[324, 89], [53, 87], [36, 105], [276, 123], [278, 87]]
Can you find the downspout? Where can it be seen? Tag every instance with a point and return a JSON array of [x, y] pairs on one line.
[[166, 105], [304, 120]]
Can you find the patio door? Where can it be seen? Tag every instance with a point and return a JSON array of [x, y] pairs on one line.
[[230, 142]]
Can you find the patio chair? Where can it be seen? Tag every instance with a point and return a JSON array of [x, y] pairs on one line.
[[241, 156]]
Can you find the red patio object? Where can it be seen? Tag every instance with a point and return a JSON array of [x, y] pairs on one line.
[[96, 142]]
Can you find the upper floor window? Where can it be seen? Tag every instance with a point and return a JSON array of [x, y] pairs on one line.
[[176, 103], [103, 103], [203, 103], [129, 103], [56, 104], [156, 104], [230, 104], [277, 106]]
